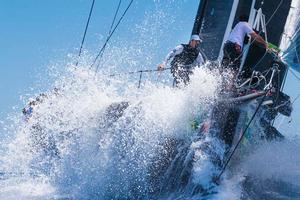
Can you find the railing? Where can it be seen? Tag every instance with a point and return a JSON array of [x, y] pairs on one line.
[[140, 72]]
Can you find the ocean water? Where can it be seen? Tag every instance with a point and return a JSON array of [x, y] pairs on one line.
[[74, 147], [100, 137]]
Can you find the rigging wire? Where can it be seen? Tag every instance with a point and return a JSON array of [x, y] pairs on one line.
[[115, 16], [110, 35], [275, 11], [85, 31], [295, 75], [296, 98], [240, 139], [111, 27], [139, 71]]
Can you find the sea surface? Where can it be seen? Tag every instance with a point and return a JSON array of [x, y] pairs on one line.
[[95, 136]]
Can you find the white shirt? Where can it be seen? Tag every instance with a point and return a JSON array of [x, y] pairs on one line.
[[178, 50], [239, 32]]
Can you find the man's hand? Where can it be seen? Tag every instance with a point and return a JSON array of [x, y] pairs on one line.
[[160, 67]]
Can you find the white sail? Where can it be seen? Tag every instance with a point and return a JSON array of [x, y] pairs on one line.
[[290, 43]]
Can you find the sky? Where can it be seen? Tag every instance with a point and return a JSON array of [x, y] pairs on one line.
[[36, 34]]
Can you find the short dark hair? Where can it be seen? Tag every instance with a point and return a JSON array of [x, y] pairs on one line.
[[243, 18]]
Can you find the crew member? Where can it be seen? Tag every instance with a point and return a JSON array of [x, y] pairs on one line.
[[184, 58], [233, 48]]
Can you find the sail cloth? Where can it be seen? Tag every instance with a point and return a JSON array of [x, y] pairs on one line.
[[290, 43], [211, 23]]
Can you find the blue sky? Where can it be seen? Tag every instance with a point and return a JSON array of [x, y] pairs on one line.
[[36, 34]]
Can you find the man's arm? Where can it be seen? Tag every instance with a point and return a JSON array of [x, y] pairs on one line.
[[170, 56], [259, 39], [249, 31]]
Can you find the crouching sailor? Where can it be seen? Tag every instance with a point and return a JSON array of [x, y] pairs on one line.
[[233, 48], [185, 58]]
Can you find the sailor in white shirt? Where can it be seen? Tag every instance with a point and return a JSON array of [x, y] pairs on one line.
[[233, 47], [184, 58]]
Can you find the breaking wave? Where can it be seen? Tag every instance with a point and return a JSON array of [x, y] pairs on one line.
[[97, 137], [94, 136], [92, 139]]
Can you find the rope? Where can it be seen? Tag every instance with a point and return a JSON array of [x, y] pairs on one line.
[[239, 141], [110, 35], [86, 27], [275, 11]]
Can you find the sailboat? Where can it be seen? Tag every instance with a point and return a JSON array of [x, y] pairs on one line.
[[260, 91], [262, 72]]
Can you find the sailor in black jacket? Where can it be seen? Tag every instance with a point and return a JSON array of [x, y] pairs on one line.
[[185, 58]]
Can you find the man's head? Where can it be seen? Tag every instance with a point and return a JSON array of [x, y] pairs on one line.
[[195, 41], [243, 18]]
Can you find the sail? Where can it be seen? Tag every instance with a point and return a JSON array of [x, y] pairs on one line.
[[211, 23], [290, 43]]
